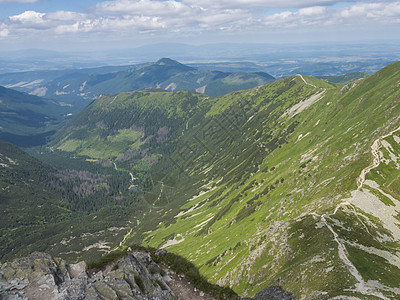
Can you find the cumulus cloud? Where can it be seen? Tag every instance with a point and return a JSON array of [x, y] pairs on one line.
[[28, 17], [301, 17], [120, 25], [194, 16], [381, 11], [378, 13], [261, 3], [175, 15], [312, 11], [32, 20], [141, 7], [65, 16]]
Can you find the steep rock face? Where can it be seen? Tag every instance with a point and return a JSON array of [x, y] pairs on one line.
[[40, 276]]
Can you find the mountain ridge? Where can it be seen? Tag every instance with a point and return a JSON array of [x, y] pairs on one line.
[[79, 87], [164, 73], [260, 187], [183, 236]]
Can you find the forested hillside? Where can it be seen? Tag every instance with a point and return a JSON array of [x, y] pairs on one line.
[[41, 205]]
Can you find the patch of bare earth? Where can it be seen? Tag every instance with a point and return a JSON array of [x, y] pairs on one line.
[[184, 290]]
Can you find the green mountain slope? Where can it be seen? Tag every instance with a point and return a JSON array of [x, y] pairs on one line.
[[27, 202], [130, 129], [345, 78], [26, 119], [214, 83], [278, 196], [291, 183]]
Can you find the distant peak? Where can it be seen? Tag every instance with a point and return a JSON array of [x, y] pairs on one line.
[[167, 61], [173, 63]]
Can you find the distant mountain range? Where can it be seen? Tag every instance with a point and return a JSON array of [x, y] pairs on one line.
[[79, 87], [279, 60]]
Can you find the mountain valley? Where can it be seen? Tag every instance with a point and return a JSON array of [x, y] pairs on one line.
[[292, 182]]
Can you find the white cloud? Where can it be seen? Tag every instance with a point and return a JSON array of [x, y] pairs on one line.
[[137, 23], [120, 17], [173, 15], [261, 3], [357, 14], [389, 12], [312, 11], [65, 16], [28, 17], [302, 17], [31, 21], [120, 25], [80, 26], [224, 19], [3, 33], [141, 7]]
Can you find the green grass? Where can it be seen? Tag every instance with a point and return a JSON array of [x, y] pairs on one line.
[[373, 267], [345, 78], [329, 172]]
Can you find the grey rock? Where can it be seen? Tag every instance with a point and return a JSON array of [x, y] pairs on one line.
[[162, 252], [166, 278], [274, 293], [75, 270], [40, 276], [135, 276], [12, 297]]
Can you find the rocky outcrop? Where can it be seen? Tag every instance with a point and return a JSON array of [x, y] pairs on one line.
[[42, 277], [134, 276]]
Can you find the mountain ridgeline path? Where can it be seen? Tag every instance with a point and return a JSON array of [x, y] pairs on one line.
[[364, 287], [376, 145]]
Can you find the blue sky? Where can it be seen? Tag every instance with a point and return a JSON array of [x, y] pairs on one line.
[[73, 24]]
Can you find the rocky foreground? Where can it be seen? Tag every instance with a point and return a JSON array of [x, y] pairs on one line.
[[134, 276]]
